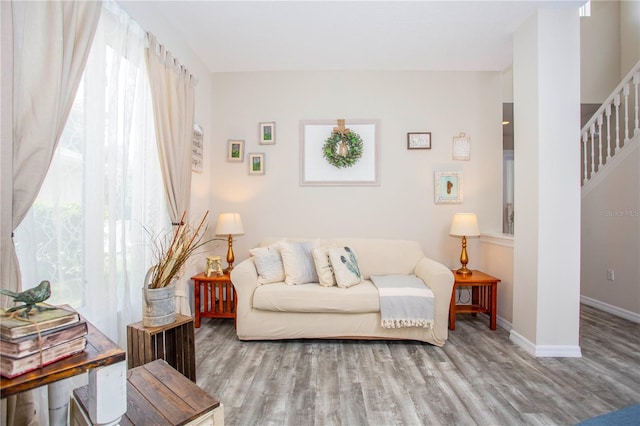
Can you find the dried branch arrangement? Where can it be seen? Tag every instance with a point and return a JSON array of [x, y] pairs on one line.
[[173, 249]]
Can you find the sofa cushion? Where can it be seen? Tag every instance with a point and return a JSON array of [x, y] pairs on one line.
[[268, 264], [297, 259], [345, 266], [323, 266], [376, 256], [315, 298]]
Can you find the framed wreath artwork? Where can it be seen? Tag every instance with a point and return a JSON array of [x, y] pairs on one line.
[[339, 152], [267, 134], [448, 187], [235, 150]]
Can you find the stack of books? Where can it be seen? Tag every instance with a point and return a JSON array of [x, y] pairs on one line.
[[46, 337]]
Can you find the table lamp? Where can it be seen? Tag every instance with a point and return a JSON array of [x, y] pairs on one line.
[[229, 224], [464, 225]]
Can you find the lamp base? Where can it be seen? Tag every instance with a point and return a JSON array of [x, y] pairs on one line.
[[464, 271]]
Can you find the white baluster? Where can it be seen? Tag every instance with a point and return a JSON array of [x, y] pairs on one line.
[[616, 103], [607, 112], [592, 131], [636, 81], [625, 93], [585, 138], [600, 142]]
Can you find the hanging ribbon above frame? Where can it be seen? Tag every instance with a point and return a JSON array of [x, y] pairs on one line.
[[343, 148]]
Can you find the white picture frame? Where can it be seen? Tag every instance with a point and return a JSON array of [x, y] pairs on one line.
[[267, 133], [448, 187], [256, 163], [235, 150], [197, 149], [315, 170]]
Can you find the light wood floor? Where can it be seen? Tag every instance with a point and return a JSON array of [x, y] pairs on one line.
[[479, 377]]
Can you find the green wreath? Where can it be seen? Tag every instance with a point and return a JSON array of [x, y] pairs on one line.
[[342, 149]]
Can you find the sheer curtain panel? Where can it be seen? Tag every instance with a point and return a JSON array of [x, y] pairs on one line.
[[50, 43], [88, 230], [172, 88]]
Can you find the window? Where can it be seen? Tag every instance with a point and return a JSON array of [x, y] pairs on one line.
[[86, 230]]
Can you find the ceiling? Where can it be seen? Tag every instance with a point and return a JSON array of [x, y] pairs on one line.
[[231, 36]]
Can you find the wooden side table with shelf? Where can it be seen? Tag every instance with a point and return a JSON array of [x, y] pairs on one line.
[[174, 343], [213, 297], [484, 297]]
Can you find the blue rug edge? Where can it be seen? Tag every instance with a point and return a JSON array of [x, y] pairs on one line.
[[627, 416]]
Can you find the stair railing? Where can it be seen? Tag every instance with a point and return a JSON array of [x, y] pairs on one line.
[[596, 152]]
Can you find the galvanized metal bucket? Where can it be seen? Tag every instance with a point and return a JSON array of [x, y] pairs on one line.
[[159, 306]]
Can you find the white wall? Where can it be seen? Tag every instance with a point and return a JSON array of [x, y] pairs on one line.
[[600, 51], [629, 35], [497, 260], [611, 236], [444, 103]]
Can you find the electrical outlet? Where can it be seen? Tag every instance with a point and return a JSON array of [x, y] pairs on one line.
[[610, 274]]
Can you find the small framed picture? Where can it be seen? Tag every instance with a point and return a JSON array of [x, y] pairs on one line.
[[256, 163], [196, 149], [236, 150], [419, 140], [462, 147], [267, 133], [448, 187]]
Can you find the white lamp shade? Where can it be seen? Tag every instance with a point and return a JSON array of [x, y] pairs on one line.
[[229, 224], [465, 225]]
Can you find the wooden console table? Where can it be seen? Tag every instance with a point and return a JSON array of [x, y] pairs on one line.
[[174, 343], [102, 358], [218, 298], [484, 297]]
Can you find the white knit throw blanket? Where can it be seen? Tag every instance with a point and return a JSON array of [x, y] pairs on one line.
[[405, 301]]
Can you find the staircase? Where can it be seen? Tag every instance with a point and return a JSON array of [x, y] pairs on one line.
[[613, 131]]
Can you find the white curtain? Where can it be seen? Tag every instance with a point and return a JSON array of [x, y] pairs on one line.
[[51, 41], [88, 229], [172, 87]]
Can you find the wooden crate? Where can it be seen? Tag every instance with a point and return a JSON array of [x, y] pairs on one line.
[[174, 343], [156, 394]]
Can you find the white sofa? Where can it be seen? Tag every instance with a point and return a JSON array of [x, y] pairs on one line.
[[281, 311]]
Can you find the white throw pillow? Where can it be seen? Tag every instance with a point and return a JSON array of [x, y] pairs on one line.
[[345, 266], [268, 264], [297, 259], [323, 266]]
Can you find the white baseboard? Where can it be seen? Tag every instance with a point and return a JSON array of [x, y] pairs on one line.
[[503, 323], [545, 351], [613, 310]]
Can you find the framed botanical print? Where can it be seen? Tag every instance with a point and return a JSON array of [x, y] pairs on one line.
[[267, 133], [256, 163], [235, 150]]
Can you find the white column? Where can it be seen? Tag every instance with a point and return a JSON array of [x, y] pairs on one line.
[[546, 73]]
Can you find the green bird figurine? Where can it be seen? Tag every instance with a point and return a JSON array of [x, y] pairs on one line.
[[30, 298]]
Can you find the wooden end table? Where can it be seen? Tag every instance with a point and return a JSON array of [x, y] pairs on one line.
[[174, 343], [218, 298], [484, 297]]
